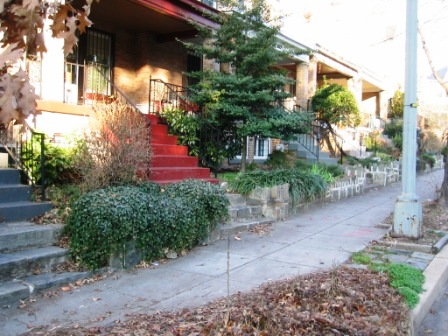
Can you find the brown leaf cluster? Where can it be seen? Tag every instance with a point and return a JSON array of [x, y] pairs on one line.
[[341, 301]]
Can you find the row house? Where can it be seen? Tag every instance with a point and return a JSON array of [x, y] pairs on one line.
[[133, 49]]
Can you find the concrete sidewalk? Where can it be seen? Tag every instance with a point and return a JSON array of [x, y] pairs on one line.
[[321, 237]]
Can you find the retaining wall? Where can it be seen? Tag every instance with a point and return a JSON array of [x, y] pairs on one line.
[[276, 204]]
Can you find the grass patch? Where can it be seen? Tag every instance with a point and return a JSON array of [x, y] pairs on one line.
[[406, 279]]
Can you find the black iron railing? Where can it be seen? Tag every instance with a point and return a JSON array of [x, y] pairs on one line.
[[26, 151], [166, 96]]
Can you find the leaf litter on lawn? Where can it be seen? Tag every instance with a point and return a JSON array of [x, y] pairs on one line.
[[340, 301]]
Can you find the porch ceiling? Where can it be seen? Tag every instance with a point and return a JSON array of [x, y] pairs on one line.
[[156, 16]]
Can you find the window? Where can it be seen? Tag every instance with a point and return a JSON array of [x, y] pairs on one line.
[[88, 69], [261, 148]]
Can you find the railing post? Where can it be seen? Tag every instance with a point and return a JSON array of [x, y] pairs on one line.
[[42, 165]]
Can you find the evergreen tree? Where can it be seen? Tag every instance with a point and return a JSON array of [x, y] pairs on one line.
[[334, 105], [396, 106], [244, 98]]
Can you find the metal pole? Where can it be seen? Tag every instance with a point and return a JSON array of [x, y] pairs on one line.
[[408, 209]]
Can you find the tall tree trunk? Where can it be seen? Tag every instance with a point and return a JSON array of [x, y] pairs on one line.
[[445, 87], [243, 155], [445, 176]]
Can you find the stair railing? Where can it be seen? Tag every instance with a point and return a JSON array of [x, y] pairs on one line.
[[164, 95], [311, 140], [26, 148]]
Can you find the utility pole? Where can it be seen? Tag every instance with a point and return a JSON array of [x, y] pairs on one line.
[[408, 209]]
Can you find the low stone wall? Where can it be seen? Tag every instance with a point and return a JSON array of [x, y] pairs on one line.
[[275, 202]]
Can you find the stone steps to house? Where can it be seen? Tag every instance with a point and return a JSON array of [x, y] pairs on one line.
[[303, 153], [9, 176], [14, 193], [17, 211], [28, 258], [28, 252], [18, 236], [28, 262]]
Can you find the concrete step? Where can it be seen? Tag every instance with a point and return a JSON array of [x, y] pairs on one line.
[[18, 211], [14, 193], [28, 262], [11, 292], [9, 176], [17, 236]]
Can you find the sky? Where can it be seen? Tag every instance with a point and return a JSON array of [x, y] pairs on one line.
[[370, 33]]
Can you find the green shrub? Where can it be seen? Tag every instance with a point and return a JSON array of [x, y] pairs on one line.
[[207, 200], [280, 159], [393, 128], [185, 126], [106, 220], [428, 158], [397, 140], [328, 172], [58, 163], [303, 185]]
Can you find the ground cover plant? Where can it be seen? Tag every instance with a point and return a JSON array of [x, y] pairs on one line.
[[407, 279], [303, 185], [175, 218]]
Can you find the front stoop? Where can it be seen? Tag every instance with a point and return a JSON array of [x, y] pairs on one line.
[[28, 252], [170, 162], [28, 257], [15, 198]]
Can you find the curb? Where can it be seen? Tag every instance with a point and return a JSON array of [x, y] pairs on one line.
[[436, 275]]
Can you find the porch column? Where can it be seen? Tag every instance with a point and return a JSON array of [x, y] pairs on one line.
[[312, 77], [302, 84], [354, 84]]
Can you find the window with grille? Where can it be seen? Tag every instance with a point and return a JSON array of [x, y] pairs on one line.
[[88, 69]]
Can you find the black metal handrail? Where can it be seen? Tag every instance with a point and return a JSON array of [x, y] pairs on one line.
[[26, 148], [164, 95]]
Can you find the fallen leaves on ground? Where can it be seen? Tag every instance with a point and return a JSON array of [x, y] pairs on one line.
[[341, 301]]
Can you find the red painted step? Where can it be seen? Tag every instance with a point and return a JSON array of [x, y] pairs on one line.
[[161, 149], [174, 161], [170, 162], [163, 139], [159, 129], [178, 173]]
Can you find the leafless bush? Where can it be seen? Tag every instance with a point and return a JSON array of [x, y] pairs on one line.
[[115, 148]]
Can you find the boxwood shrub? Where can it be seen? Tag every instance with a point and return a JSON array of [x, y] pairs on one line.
[[176, 217]]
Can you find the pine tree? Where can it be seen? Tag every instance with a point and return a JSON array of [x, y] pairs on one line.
[[244, 97]]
